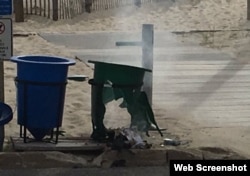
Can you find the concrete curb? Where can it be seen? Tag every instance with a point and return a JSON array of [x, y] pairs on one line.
[[40, 160], [110, 158]]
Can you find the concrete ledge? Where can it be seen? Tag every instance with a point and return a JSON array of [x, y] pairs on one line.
[[111, 158], [20, 160], [180, 154], [131, 158], [215, 153]]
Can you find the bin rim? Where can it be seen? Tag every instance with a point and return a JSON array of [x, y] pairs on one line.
[[9, 115], [144, 69], [18, 59]]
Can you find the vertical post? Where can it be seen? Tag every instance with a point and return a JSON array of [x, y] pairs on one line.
[[147, 58], [248, 9], [19, 11], [1, 100], [55, 10], [137, 3], [1, 80]]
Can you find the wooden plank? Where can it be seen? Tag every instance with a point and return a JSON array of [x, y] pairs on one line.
[[66, 6], [40, 7], [75, 5], [19, 11], [61, 10], [73, 9], [49, 9], [55, 10], [27, 7], [31, 6], [66, 144], [35, 7], [248, 9]]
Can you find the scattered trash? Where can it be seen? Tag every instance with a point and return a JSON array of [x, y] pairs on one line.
[[128, 138], [172, 142]]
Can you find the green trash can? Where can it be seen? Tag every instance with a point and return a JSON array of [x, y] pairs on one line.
[[118, 74], [111, 82]]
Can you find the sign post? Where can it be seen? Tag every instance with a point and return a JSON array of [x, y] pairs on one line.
[[6, 44]]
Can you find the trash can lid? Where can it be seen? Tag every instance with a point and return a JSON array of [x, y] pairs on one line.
[[119, 65], [6, 114], [42, 59]]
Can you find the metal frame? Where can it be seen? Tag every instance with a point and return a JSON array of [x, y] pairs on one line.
[[23, 128]]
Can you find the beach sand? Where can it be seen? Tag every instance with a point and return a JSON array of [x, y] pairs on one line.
[[191, 15]]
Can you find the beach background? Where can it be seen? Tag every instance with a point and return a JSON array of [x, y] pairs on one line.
[[180, 16]]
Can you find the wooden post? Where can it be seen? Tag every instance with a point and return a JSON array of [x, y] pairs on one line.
[[55, 10], [248, 9], [147, 58], [19, 11]]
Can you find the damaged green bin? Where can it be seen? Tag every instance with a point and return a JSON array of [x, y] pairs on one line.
[[114, 81]]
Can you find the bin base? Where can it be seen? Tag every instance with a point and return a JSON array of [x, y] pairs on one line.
[[65, 145], [39, 134]]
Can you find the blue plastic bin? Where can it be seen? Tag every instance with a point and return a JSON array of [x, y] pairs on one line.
[[6, 115], [41, 84]]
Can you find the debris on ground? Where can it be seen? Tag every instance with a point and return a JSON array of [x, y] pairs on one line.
[[172, 142], [128, 138]]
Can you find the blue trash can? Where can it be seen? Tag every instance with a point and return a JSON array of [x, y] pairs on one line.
[[41, 84], [6, 116]]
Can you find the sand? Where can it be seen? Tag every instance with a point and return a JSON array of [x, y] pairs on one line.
[[182, 16]]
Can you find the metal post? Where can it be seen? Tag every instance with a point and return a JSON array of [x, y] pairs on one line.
[[1, 100], [1, 80], [147, 58]]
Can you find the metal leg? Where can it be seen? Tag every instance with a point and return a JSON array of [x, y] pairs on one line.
[[57, 134], [21, 131], [52, 134], [98, 110], [25, 135], [25, 113], [25, 123]]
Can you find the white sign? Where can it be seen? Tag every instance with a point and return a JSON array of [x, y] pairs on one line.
[[6, 40]]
